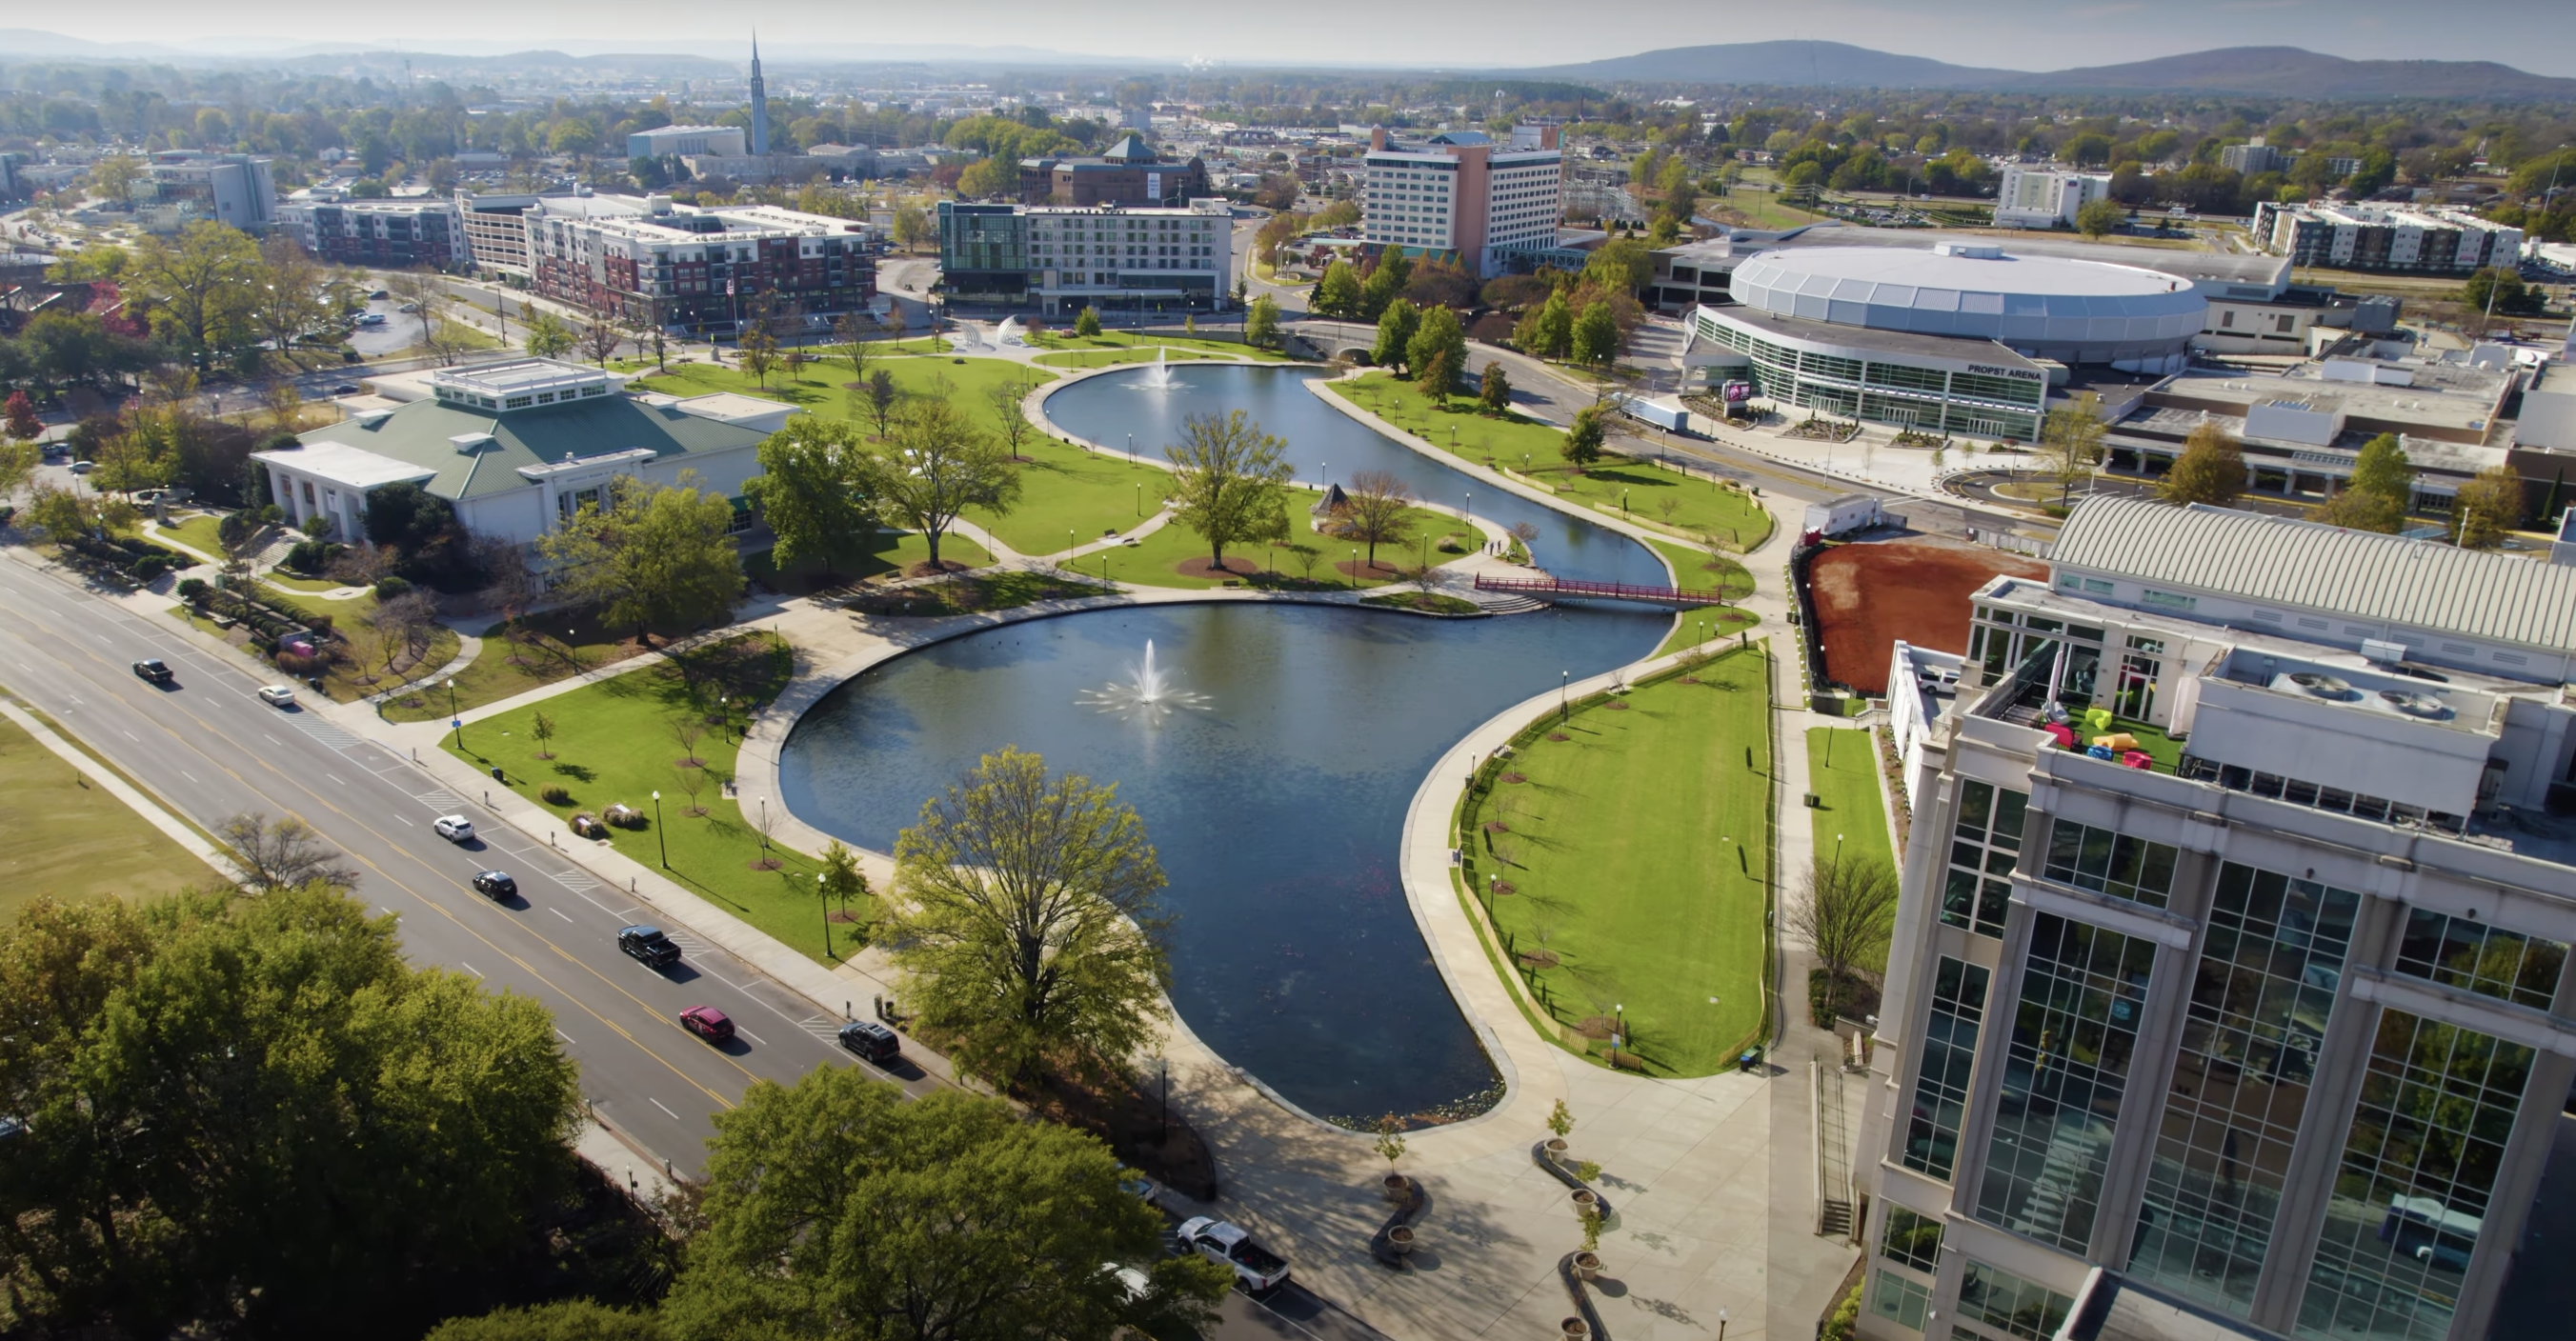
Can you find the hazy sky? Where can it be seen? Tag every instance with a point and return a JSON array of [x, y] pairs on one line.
[[2534, 35]]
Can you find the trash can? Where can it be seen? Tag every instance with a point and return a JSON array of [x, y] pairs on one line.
[[496, 774], [1749, 1059]]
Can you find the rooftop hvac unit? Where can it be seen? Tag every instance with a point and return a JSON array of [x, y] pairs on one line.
[[2385, 653], [2413, 704], [2323, 686]]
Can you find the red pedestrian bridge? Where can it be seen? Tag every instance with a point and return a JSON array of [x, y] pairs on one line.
[[1544, 587]]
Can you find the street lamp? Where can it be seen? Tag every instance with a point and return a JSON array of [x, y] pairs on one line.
[[1355, 570], [764, 822], [658, 835], [454, 721], [1564, 681], [1140, 498], [823, 896]]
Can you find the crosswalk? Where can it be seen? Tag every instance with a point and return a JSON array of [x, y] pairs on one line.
[[823, 1027], [329, 733]]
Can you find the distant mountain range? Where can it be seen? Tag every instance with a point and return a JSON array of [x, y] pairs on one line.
[[2287, 72]]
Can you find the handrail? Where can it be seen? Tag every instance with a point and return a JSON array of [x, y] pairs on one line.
[[1563, 586]]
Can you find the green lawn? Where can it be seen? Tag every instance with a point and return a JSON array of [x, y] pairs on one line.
[[1636, 849], [822, 387], [614, 741], [1851, 819], [1154, 562], [1064, 488], [890, 552], [1698, 506], [1067, 340], [1477, 437], [71, 838], [1699, 570], [197, 533], [308, 585], [551, 647]]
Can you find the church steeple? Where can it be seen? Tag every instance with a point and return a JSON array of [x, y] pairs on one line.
[[759, 101]]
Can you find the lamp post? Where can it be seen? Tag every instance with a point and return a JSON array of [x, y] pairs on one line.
[[1721, 1325], [823, 896], [454, 720], [1355, 570], [1564, 681], [764, 822], [1140, 498], [658, 836]]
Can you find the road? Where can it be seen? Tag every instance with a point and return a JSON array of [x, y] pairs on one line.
[[210, 750]]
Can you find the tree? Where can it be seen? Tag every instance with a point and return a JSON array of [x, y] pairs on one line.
[[564, 1320], [397, 1125], [1261, 324], [1549, 330], [2210, 469], [1230, 480], [1086, 324], [810, 489], [18, 462], [1494, 393], [2490, 504], [1848, 912], [1437, 332], [1596, 336], [2505, 291], [1029, 920], [418, 524], [1437, 375], [113, 178], [1009, 399], [420, 291], [880, 399], [1384, 284], [548, 337], [836, 1209], [1338, 295], [989, 178], [1582, 444], [937, 464], [842, 880], [1380, 511], [288, 300], [851, 336], [542, 728], [657, 554], [402, 625], [757, 348], [197, 286], [2070, 443], [281, 854], [1395, 328], [2375, 498], [601, 338], [2098, 219], [912, 226], [1622, 265], [18, 418]]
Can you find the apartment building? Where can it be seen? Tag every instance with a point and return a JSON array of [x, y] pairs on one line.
[[2228, 996], [401, 234], [2253, 157], [700, 271], [1460, 194], [2379, 238], [2046, 198], [1062, 258], [181, 187]]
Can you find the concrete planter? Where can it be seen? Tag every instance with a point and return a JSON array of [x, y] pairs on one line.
[[1574, 1329], [1586, 1200], [1556, 1149], [1400, 1239], [1587, 1266]]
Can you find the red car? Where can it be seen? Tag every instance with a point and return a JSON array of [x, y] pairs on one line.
[[708, 1023]]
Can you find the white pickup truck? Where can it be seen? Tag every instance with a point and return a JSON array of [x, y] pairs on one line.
[[1255, 1268]]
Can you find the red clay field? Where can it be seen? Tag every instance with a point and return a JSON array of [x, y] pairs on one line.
[[1869, 596]]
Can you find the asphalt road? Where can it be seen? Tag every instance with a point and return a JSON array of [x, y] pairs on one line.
[[210, 750]]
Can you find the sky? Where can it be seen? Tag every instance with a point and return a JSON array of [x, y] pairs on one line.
[[2534, 35]]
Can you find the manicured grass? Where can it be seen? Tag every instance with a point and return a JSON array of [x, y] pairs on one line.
[[614, 742], [1154, 562], [1715, 623], [552, 646], [71, 838], [890, 553], [1067, 340], [1699, 570], [822, 386], [2164, 749], [1842, 769], [1064, 488], [1699, 506], [1636, 848], [309, 585], [197, 533], [1478, 437]]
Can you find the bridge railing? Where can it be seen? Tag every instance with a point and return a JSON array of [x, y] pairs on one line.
[[1623, 591]]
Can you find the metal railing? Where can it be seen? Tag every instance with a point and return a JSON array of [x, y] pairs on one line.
[[1617, 591]]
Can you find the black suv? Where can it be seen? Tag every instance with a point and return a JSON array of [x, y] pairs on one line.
[[495, 885], [649, 945], [871, 1040], [154, 669]]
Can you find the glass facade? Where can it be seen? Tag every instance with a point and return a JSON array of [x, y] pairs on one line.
[[2475, 957], [2110, 863], [1949, 1057], [1900, 1301], [1993, 1297], [2261, 1000], [1918, 395], [1914, 1240], [2074, 1034], [1985, 841], [2419, 1170]]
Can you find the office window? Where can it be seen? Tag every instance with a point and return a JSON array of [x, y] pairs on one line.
[[1914, 1240], [2473, 956], [2419, 1170], [1984, 843], [1997, 1298], [2066, 1070], [1900, 1301], [2261, 1000], [1949, 1056], [2110, 863]]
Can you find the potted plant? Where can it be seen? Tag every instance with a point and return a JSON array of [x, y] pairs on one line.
[[1390, 1143], [1574, 1329], [1587, 1263], [1400, 1239], [1562, 1123], [1586, 1202]]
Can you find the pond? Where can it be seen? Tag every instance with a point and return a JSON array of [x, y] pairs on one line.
[[1276, 801]]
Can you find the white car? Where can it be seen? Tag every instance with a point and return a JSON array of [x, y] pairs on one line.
[[453, 828], [277, 696]]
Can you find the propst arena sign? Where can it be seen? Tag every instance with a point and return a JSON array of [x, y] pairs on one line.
[[1991, 370]]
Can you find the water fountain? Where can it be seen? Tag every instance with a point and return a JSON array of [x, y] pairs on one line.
[[1008, 333], [1149, 694], [1159, 377]]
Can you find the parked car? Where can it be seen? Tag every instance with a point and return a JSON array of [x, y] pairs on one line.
[[277, 696], [1143, 1189], [453, 828], [649, 945], [345, 389], [495, 884], [408, 307], [872, 1041], [154, 669], [379, 293], [708, 1023], [83, 467], [1256, 1268]]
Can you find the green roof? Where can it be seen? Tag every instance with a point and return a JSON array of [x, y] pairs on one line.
[[422, 433]]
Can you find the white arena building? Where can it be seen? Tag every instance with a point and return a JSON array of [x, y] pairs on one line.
[[1963, 339]]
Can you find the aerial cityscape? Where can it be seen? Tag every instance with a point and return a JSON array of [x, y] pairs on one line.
[[773, 673]]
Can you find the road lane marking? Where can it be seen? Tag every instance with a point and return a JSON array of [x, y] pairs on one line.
[[471, 969], [567, 1038], [658, 1104], [188, 775], [129, 735], [560, 913], [333, 781], [750, 1035]]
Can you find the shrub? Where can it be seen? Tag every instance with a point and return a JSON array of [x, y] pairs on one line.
[[310, 556], [193, 589], [390, 587], [555, 795], [294, 664], [321, 624]]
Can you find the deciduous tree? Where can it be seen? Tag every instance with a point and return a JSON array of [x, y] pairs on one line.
[[1494, 393], [2490, 504], [1380, 511], [1338, 295], [1384, 284], [1582, 444], [2070, 443], [1230, 480], [850, 337], [2210, 469], [880, 399], [198, 286], [1261, 323], [810, 489], [1596, 336], [935, 465], [1437, 332], [1848, 911], [1029, 920], [657, 554], [275, 854], [2375, 498], [1086, 324], [548, 337], [1395, 328]]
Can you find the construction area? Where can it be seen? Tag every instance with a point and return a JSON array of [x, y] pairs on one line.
[[1871, 594]]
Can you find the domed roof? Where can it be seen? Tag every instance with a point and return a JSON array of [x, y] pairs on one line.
[[1973, 291]]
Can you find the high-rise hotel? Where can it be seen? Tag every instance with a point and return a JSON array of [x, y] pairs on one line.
[[1460, 193]]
